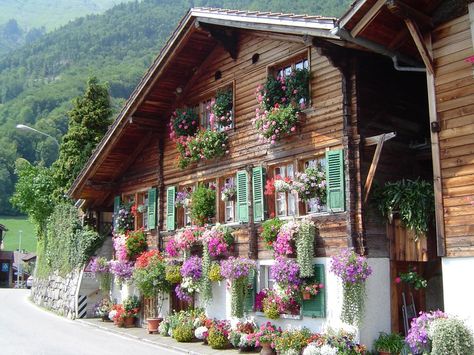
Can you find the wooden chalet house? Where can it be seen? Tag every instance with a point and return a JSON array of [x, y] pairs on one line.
[[357, 99]]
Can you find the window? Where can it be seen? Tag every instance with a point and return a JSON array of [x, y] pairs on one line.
[[312, 206], [286, 69], [205, 114], [229, 204], [265, 277], [186, 207], [286, 203], [142, 208]]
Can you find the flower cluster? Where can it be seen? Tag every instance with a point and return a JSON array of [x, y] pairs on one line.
[[350, 267], [184, 240], [99, 265], [192, 268], [183, 294], [204, 145], [119, 242], [412, 278], [313, 288], [418, 338], [103, 307], [144, 259], [228, 191], [270, 230], [285, 272], [135, 243], [219, 240], [124, 220], [183, 199], [267, 333], [184, 122], [236, 268], [311, 184], [280, 101], [239, 335], [131, 306], [285, 238], [221, 109], [122, 270]]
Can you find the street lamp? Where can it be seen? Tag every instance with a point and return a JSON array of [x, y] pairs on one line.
[[28, 128]]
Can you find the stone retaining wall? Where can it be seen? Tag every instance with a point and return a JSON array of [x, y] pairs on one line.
[[57, 293]]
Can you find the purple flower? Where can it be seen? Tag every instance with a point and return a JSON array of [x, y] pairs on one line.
[[285, 272], [99, 265], [235, 268], [350, 267], [417, 337], [121, 269], [192, 268], [182, 294]]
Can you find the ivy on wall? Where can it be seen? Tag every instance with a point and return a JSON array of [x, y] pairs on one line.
[[67, 244]]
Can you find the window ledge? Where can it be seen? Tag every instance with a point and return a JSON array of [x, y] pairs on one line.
[[282, 316]]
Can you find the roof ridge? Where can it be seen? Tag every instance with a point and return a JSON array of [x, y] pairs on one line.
[[257, 13]]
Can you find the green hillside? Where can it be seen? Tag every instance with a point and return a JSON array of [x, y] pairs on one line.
[[12, 237], [38, 80]]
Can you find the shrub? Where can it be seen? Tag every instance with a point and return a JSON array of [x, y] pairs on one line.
[[217, 340], [184, 333], [392, 343], [203, 205], [450, 336]]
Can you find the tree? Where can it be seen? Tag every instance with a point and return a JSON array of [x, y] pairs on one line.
[[88, 121], [33, 193]]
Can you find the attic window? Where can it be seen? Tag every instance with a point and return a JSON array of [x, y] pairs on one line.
[[255, 58], [218, 75]]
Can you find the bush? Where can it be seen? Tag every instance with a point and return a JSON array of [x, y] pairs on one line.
[[450, 336], [184, 333], [203, 205], [217, 340]]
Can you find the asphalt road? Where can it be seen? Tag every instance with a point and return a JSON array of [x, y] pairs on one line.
[[26, 329]]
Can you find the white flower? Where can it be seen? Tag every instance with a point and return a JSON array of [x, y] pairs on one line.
[[199, 332]]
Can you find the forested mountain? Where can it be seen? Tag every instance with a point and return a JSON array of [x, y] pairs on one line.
[[38, 80]]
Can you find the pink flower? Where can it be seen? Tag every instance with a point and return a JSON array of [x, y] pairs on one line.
[[398, 280], [293, 129]]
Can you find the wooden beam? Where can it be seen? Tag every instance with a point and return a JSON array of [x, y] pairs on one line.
[[399, 39], [100, 185], [420, 44], [228, 38], [373, 166], [375, 139], [367, 18], [405, 11], [438, 189]]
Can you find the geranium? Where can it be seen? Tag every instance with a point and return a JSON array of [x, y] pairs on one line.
[[259, 297], [282, 184], [285, 272], [116, 312], [218, 240], [413, 279], [353, 270], [184, 122], [221, 109], [183, 240], [418, 338], [267, 333], [144, 258], [200, 332], [204, 145], [312, 288], [285, 238], [131, 306], [135, 243], [270, 230]]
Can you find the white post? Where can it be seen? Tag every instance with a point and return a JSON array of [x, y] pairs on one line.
[[18, 267]]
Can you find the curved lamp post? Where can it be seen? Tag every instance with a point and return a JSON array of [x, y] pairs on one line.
[[28, 128]]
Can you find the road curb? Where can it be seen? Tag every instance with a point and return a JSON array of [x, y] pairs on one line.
[[156, 343]]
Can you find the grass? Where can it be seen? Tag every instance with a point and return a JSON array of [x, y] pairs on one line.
[[11, 238]]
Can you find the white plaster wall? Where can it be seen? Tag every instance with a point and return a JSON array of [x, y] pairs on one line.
[[219, 306], [458, 288], [377, 311]]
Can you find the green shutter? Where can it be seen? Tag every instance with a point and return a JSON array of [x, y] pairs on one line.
[[316, 306], [335, 180], [257, 189], [116, 208], [170, 210], [249, 300], [242, 197], [151, 208]]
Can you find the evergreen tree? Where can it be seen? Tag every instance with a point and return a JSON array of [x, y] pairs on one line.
[[88, 121]]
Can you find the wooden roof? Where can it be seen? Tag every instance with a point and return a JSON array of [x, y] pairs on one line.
[[392, 24], [146, 112]]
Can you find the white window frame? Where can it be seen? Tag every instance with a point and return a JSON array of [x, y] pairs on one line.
[[286, 203], [313, 163], [229, 206]]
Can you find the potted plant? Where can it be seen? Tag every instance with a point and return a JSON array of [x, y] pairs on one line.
[[218, 337], [266, 336], [292, 341], [150, 278], [270, 229], [131, 307], [310, 289], [103, 308], [389, 344], [135, 243], [203, 205]]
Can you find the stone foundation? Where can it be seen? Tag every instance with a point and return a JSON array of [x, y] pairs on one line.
[[57, 293]]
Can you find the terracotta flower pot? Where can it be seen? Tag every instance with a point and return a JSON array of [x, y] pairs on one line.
[[306, 295], [153, 324], [267, 349], [129, 322]]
